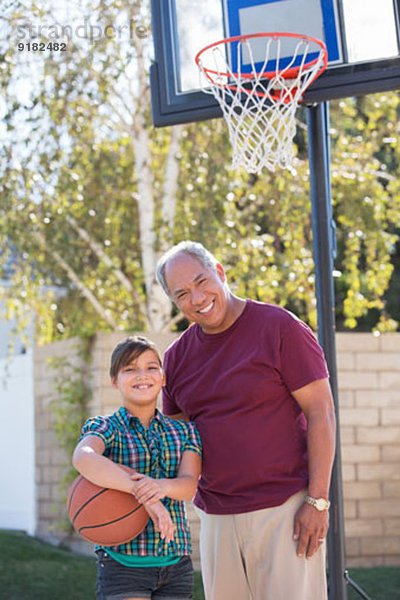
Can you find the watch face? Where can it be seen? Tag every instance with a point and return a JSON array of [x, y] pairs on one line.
[[318, 503]]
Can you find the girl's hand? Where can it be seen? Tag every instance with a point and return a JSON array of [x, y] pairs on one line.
[[162, 520], [149, 490]]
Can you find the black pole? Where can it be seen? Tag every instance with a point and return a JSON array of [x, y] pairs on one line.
[[322, 224]]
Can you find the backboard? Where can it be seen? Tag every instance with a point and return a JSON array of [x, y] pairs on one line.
[[362, 38]]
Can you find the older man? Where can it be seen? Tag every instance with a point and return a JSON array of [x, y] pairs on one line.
[[254, 380]]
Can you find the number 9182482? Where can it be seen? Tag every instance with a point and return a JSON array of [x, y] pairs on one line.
[[42, 46]]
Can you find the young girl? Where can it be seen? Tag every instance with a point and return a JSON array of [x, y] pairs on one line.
[[165, 454]]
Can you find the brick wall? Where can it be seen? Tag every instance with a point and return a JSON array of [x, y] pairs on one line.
[[369, 391], [51, 461]]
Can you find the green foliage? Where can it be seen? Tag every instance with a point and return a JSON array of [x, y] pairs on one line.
[[366, 204], [70, 225], [77, 162], [260, 227]]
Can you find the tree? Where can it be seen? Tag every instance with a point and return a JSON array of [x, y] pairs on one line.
[[367, 205], [92, 193], [264, 231], [91, 106]]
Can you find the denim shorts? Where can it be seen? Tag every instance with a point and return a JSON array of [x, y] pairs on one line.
[[117, 582]]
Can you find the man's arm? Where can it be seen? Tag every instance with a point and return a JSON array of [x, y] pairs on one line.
[[315, 400]]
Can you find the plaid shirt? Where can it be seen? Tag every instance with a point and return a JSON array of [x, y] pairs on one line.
[[157, 452]]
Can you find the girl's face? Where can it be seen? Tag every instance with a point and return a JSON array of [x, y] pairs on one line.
[[140, 381]]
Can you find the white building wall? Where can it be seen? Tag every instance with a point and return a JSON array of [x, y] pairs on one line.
[[17, 450]]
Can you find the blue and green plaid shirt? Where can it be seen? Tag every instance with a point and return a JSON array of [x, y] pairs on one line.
[[157, 452]]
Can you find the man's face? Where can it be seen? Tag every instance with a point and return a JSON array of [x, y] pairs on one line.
[[199, 292]]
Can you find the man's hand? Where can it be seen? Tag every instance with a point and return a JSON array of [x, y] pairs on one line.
[[149, 490], [162, 520], [310, 529]]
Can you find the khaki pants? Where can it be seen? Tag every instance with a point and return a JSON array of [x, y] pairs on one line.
[[252, 556]]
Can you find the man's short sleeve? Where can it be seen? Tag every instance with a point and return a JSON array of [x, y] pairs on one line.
[[193, 441], [168, 403], [101, 427], [302, 359]]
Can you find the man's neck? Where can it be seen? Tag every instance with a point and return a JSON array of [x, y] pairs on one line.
[[235, 308]]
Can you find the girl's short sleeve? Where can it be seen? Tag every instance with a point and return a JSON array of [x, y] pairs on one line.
[[193, 441], [101, 427]]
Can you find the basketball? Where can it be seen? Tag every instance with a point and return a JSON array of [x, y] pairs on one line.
[[104, 516]]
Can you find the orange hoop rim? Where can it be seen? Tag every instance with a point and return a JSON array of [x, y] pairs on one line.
[[286, 74]]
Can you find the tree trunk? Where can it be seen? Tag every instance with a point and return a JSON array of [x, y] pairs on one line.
[[158, 304]]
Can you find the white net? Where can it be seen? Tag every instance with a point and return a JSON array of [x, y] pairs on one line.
[[259, 107]]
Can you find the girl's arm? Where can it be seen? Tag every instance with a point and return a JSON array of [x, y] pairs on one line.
[[88, 459], [182, 487]]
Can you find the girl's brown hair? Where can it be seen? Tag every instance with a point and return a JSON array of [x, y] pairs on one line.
[[128, 350]]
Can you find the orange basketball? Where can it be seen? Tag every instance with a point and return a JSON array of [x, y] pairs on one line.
[[105, 516]]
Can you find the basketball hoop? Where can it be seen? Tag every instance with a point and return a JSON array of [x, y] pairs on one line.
[[259, 98]]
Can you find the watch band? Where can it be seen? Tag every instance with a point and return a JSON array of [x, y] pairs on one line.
[[318, 503]]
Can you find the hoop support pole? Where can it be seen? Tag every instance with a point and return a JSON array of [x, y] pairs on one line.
[[321, 214]]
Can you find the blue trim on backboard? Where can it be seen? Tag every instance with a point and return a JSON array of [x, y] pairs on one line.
[[233, 7], [331, 33], [330, 20]]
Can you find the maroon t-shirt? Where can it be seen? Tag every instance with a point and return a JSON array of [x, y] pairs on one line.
[[236, 386]]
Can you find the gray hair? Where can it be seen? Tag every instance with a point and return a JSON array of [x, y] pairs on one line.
[[195, 249]]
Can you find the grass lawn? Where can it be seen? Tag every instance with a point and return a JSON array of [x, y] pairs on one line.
[[379, 583], [33, 570]]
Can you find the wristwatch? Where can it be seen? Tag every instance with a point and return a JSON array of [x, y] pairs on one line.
[[318, 503]]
